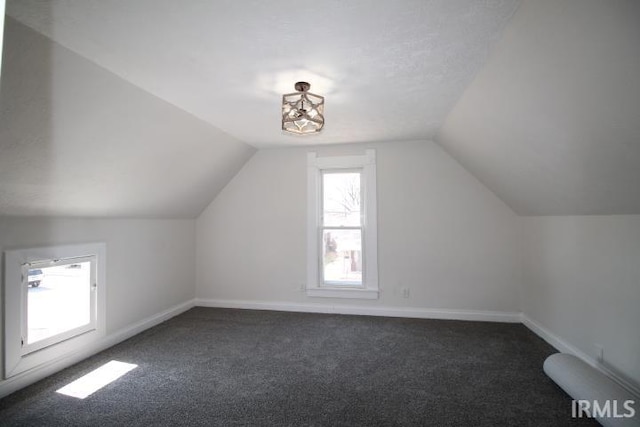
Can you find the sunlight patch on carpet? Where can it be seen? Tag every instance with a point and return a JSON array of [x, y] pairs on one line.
[[96, 379]]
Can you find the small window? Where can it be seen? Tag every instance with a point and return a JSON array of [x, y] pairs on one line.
[[58, 301], [54, 303], [342, 252]]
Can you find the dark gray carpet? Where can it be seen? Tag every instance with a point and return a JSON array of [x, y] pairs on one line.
[[239, 367]]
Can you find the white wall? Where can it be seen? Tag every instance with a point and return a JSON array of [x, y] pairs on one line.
[[440, 232], [79, 141], [2, 5], [150, 263], [582, 284], [550, 123]]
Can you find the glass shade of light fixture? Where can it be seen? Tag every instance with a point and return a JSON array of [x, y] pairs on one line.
[[302, 111]]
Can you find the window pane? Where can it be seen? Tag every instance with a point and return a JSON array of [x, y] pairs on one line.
[[342, 256], [58, 300], [341, 199]]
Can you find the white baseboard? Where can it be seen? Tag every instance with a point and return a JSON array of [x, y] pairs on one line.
[[26, 378], [418, 313], [29, 377], [565, 347]]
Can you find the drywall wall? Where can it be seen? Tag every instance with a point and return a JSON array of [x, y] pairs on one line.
[[2, 5], [550, 124], [150, 263], [76, 140], [582, 284], [441, 233]]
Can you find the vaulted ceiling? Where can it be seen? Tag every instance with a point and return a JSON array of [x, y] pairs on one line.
[[76, 140], [552, 122], [538, 100], [390, 70]]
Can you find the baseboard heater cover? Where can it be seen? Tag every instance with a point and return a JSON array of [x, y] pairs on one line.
[[585, 383]]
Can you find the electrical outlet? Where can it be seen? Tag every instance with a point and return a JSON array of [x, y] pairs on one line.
[[406, 292]]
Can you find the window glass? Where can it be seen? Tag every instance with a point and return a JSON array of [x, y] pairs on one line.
[[58, 300], [342, 256], [341, 199]]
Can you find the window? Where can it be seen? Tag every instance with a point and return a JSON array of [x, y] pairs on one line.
[[342, 251], [53, 303], [341, 228], [58, 301]]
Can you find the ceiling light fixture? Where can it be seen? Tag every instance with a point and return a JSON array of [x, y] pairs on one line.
[[302, 111]]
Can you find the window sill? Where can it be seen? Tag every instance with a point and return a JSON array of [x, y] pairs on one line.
[[343, 293]]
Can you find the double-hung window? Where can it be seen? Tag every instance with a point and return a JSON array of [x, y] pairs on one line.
[[342, 251]]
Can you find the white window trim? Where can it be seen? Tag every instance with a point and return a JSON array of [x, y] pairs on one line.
[[38, 345], [315, 166], [18, 359]]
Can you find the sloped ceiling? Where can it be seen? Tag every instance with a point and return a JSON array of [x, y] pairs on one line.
[[390, 70], [539, 100], [552, 122], [76, 140]]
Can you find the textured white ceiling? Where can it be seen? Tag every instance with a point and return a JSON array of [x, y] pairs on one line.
[[552, 122], [549, 122], [390, 70], [76, 140]]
